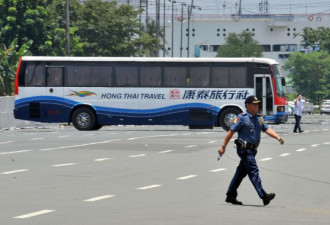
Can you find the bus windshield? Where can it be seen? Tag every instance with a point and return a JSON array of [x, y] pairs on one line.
[[280, 91]]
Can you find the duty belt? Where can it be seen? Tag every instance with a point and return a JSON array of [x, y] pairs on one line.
[[245, 145]]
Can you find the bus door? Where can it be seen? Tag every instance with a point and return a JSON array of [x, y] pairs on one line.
[[54, 89], [264, 91]]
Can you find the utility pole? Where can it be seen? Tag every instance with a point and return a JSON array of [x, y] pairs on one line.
[[189, 19], [147, 20], [172, 22], [164, 24], [182, 4], [67, 28]]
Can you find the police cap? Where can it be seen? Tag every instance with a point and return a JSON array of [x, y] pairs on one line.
[[252, 99]]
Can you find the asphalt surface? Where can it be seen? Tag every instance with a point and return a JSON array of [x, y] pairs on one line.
[[159, 175]]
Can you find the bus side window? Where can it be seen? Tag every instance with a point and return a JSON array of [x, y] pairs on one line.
[[102, 76], [238, 77], [54, 76], [150, 76], [175, 76], [35, 75], [79, 75], [199, 77], [220, 76], [127, 76]]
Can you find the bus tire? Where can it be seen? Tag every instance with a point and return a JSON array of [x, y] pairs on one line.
[[97, 126], [227, 117], [83, 119]]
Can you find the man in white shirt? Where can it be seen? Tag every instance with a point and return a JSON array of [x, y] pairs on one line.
[[297, 112]]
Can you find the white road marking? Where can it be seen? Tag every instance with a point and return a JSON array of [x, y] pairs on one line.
[[163, 135], [14, 171], [14, 152], [265, 159], [81, 145], [102, 159], [315, 130], [6, 142], [135, 156], [35, 139], [300, 149], [315, 145], [65, 164], [217, 170], [166, 151], [64, 136], [99, 198], [326, 143], [285, 154], [186, 177], [89, 134], [38, 213], [190, 146], [149, 187], [212, 142], [325, 129]]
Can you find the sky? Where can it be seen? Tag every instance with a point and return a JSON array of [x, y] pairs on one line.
[[248, 6]]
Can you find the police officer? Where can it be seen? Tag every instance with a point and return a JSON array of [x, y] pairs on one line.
[[248, 125]]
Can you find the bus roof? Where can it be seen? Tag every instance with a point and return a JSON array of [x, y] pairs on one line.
[[145, 59]]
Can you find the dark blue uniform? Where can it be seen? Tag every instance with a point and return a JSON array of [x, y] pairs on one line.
[[248, 129]]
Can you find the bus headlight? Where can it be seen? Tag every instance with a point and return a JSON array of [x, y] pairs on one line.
[[280, 108]]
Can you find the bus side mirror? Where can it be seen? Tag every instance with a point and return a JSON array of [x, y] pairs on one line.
[[283, 81]]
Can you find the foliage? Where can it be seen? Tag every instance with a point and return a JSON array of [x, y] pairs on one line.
[[240, 45], [24, 21], [56, 32], [116, 33], [310, 74], [319, 36], [97, 28], [9, 58]]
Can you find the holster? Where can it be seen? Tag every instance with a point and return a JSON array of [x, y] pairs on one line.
[[242, 145]]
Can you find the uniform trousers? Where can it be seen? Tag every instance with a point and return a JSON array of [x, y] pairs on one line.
[[247, 166]]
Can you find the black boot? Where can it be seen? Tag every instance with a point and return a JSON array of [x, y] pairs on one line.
[[233, 200], [268, 198]]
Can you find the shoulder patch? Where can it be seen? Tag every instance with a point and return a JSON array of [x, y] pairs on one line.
[[236, 120], [244, 114]]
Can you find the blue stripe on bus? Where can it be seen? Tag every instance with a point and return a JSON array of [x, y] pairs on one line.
[[107, 114]]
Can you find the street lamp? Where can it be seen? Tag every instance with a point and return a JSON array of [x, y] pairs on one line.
[[172, 49]]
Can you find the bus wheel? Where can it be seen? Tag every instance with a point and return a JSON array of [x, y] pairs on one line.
[[227, 117], [83, 119], [97, 126]]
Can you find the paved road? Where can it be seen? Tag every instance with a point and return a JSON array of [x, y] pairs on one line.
[[159, 175]]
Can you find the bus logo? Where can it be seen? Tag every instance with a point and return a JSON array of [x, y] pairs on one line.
[[174, 94], [81, 93]]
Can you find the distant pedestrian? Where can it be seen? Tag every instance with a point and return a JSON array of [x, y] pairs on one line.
[[248, 125], [297, 112]]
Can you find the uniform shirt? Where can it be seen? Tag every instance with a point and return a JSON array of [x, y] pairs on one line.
[[298, 107], [249, 127]]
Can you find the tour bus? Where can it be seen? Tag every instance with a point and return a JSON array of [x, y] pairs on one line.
[[90, 92]]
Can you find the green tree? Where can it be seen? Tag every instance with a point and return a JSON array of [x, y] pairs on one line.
[[240, 45], [107, 29], [56, 33], [310, 74], [9, 58], [23, 20], [317, 37]]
